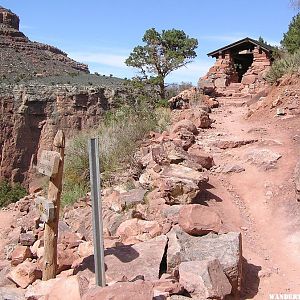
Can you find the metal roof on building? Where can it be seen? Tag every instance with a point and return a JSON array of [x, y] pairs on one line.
[[240, 43]]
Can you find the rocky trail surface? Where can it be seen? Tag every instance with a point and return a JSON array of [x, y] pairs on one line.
[[259, 180], [211, 213]]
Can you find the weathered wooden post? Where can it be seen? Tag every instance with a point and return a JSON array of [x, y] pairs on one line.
[[51, 164]]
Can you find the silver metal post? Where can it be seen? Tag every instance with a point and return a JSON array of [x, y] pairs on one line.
[[97, 211]]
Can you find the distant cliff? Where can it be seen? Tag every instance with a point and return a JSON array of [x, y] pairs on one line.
[[41, 91], [21, 58]]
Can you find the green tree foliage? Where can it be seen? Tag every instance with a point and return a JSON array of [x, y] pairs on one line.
[[291, 39], [162, 53]]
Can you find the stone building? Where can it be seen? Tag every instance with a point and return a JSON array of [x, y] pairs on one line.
[[240, 68]]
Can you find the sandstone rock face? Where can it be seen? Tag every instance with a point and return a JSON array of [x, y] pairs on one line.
[[9, 19], [225, 247], [196, 219], [136, 290], [37, 112], [204, 279]]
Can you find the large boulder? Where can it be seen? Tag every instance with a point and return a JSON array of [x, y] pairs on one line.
[[184, 124], [140, 259], [198, 155], [227, 248], [70, 288], [204, 279], [181, 184], [196, 219], [128, 262], [137, 290], [196, 116]]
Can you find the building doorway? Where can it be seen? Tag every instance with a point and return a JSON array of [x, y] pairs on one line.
[[242, 62]]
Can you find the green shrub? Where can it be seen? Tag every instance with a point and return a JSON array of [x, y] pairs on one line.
[[289, 64], [119, 135], [10, 193]]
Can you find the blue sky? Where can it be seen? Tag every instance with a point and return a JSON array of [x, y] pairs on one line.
[[103, 33]]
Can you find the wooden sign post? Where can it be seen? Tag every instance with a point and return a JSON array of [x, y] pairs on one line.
[[51, 164]]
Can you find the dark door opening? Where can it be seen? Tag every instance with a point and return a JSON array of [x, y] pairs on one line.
[[242, 63]]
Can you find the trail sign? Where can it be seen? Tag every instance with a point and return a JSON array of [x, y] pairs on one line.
[[48, 163], [46, 209]]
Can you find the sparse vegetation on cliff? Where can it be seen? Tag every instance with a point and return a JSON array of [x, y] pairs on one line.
[[119, 135], [10, 193]]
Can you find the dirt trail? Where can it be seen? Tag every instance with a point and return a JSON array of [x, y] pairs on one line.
[[265, 205]]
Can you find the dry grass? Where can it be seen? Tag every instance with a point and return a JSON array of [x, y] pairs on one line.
[[289, 64], [119, 136]]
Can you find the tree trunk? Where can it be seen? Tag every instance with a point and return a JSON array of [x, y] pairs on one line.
[[162, 92]]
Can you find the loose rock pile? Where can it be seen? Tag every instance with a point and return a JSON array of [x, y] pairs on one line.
[[159, 241]]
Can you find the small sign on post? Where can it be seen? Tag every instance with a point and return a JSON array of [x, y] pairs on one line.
[[97, 211], [49, 163], [46, 209]]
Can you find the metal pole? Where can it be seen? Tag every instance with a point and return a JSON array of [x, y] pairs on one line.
[[97, 211]]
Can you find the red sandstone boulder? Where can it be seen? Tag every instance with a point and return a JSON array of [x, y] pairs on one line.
[[249, 79], [136, 230], [204, 279], [40, 289], [183, 138], [201, 157], [20, 254], [141, 259], [168, 284], [27, 239], [197, 116], [25, 274], [85, 249], [180, 184], [70, 288], [137, 290], [197, 219], [65, 259], [184, 124]]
